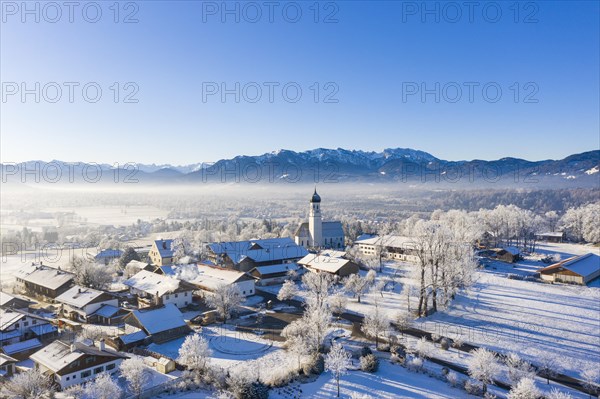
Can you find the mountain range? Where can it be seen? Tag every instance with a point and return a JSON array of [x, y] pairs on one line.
[[392, 165]]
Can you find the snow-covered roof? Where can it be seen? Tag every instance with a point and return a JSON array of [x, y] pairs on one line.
[[6, 299], [6, 335], [326, 263], [5, 359], [326, 253], [271, 249], [210, 277], [137, 263], [557, 234], [8, 318], [164, 248], [43, 329], [162, 319], [152, 283], [109, 253], [388, 240], [78, 296], [59, 355], [21, 346], [45, 276], [583, 265], [512, 250], [106, 311], [133, 337], [276, 269]]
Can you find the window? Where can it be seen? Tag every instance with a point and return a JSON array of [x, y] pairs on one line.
[[86, 374], [176, 295], [74, 376], [244, 292], [185, 294], [110, 366], [90, 359], [34, 321], [98, 370], [25, 323], [166, 297]]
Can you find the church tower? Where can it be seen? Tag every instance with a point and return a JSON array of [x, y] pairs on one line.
[[315, 222]]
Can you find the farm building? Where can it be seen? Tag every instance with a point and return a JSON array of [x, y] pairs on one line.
[[160, 324], [246, 255], [154, 289], [76, 363], [7, 366], [552, 236], [43, 280], [274, 274], [108, 255], [388, 246], [22, 350], [78, 303], [329, 264], [9, 301], [577, 269], [508, 254], [108, 315], [209, 278]]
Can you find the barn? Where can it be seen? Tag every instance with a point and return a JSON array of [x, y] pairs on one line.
[[576, 270]]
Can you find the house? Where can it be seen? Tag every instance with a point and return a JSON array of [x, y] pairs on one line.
[[43, 280], [22, 350], [17, 325], [551, 236], [507, 254], [576, 269], [7, 366], [274, 274], [9, 301], [153, 289], [388, 246], [246, 255], [160, 324], [209, 278], [108, 315], [76, 363], [108, 255], [329, 264], [78, 303], [318, 234], [144, 252], [161, 252]]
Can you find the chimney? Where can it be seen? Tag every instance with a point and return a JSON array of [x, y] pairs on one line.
[[157, 299], [73, 348], [101, 344], [164, 245], [79, 290]]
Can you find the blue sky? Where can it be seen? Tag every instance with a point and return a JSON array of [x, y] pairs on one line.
[[371, 58]]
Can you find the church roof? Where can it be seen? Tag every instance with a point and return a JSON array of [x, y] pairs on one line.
[[315, 197], [329, 229]]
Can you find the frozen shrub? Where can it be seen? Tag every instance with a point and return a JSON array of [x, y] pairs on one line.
[[415, 364], [314, 365], [473, 388], [452, 378], [369, 363]]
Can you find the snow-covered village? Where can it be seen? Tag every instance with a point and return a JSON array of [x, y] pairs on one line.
[[281, 199]]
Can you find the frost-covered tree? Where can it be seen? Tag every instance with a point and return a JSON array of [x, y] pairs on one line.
[[287, 291], [103, 387], [517, 368], [338, 302], [525, 389], [318, 286], [422, 348], [403, 321], [136, 374], [195, 353], [308, 331], [591, 379], [375, 324], [28, 385], [337, 361], [91, 274], [483, 366], [357, 285], [548, 366], [181, 247], [225, 299], [582, 224], [556, 394]]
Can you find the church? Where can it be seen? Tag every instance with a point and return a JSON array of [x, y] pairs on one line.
[[317, 233]]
